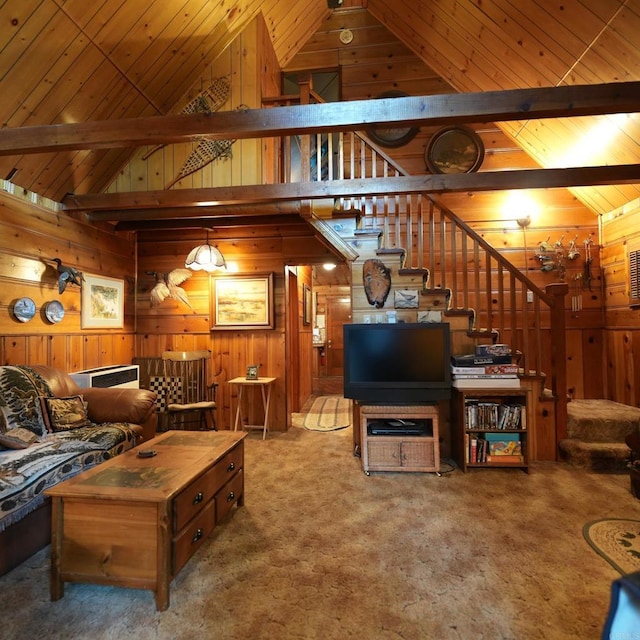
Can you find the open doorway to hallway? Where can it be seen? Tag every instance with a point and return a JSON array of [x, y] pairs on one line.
[[332, 295]]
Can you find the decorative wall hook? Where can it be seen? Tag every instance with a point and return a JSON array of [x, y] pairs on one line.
[[553, 257]]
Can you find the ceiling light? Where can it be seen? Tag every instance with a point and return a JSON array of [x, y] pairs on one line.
[[205, 257], [329, 266]]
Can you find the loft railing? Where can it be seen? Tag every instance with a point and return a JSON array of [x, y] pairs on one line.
[[502, 299]]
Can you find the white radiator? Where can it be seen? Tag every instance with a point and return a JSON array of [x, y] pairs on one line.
[[127, 376]]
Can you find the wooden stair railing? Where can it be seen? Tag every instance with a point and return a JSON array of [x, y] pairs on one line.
[[504, 302]]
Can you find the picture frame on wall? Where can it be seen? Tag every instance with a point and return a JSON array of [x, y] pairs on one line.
[[102, 302], [456, 149], [242, 301], [306, 304]]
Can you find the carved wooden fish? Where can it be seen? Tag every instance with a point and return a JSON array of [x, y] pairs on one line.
[[377, 282]]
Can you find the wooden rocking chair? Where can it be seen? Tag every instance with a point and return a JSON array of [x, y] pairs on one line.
[[191, 402]]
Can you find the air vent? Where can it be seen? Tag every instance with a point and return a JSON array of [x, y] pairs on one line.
[[634, 275]]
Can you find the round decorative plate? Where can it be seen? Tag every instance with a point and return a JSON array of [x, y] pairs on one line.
[[392, 136], [454, 150], [54, 311], [24, 309]]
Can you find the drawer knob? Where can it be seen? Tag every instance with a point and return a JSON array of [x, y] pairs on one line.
[[231, 496], [231, 467], [196, 536], [199, 497]]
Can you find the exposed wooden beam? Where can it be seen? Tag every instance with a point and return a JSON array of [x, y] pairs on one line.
[[120, 206], [206, 216], [149, 223], [491, 106]]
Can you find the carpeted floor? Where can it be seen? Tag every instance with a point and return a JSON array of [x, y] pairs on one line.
[[321, 551]]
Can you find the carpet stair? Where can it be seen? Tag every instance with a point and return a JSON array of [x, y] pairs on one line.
[[596, 432]]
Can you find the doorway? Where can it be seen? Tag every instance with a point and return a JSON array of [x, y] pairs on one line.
[[338, 313]]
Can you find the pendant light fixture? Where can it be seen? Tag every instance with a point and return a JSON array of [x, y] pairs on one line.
[[205, 257]]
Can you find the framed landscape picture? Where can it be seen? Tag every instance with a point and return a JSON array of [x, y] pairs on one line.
[[102, 302], [242, 301]]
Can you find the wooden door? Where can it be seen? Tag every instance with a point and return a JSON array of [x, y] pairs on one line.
[[338, 313]]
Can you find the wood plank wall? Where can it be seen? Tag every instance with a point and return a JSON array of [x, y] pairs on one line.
[[31, 234], [620, 232], [251, 65]]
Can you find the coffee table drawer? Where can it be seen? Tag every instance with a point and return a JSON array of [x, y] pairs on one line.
[[228, 466], [189, 540], [192, 500], [228, 495]]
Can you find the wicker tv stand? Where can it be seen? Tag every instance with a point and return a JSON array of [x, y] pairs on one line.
[[399, 438]]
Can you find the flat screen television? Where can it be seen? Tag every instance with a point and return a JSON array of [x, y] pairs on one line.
[[404, 363]]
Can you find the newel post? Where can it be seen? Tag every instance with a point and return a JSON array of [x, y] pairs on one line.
[[305, 84], [557, 291]]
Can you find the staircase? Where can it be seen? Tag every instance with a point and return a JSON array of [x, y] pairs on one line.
[[436, 247], [596, 431]]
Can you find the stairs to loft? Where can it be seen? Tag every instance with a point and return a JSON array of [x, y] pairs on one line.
[[457, 274], [596, 432]]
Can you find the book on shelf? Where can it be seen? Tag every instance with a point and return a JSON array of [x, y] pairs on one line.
[[486, 369], [484, 416], [493, 349], [484, 376], [494, 382], [473, 450], [473, 360], [515, 459], [504, 448]]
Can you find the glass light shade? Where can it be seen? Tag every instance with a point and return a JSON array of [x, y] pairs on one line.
[[205, 257]]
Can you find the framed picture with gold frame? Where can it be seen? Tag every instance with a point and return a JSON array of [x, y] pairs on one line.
[[102, 302], [242, 301], [306, 304]]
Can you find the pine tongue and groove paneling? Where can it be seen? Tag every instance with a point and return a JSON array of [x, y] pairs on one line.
[[29, 236], [497, 32], [289, 25], [40, 30]]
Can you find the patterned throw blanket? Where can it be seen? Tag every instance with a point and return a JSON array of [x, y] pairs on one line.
[[26, 473]]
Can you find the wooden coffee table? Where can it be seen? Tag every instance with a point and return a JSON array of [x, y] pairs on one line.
[[134, 522]]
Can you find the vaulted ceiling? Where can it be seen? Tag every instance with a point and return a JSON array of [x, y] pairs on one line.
[[70, 61]]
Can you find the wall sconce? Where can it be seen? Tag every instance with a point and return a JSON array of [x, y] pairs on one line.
[[205, 257]]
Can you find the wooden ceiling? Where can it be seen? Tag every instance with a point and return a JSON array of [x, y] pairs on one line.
[[72, 61]]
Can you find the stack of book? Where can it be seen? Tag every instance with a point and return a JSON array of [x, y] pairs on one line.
[[494, 447], [490, 367]]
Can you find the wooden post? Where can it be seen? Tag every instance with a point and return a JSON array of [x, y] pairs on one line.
[[557, 291], [304, 82]]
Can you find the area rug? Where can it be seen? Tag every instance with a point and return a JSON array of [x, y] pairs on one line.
[[327, 413], [617, 541]]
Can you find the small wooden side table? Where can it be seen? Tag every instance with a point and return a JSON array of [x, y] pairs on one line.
[[265, 385]]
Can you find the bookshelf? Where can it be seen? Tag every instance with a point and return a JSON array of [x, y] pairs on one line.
[[490, 428]]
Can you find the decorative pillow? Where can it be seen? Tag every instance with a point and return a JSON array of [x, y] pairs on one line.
[[26, 414], [17, 438], [63, 414]]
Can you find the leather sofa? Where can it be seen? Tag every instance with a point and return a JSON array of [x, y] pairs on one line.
[[113, 420]]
